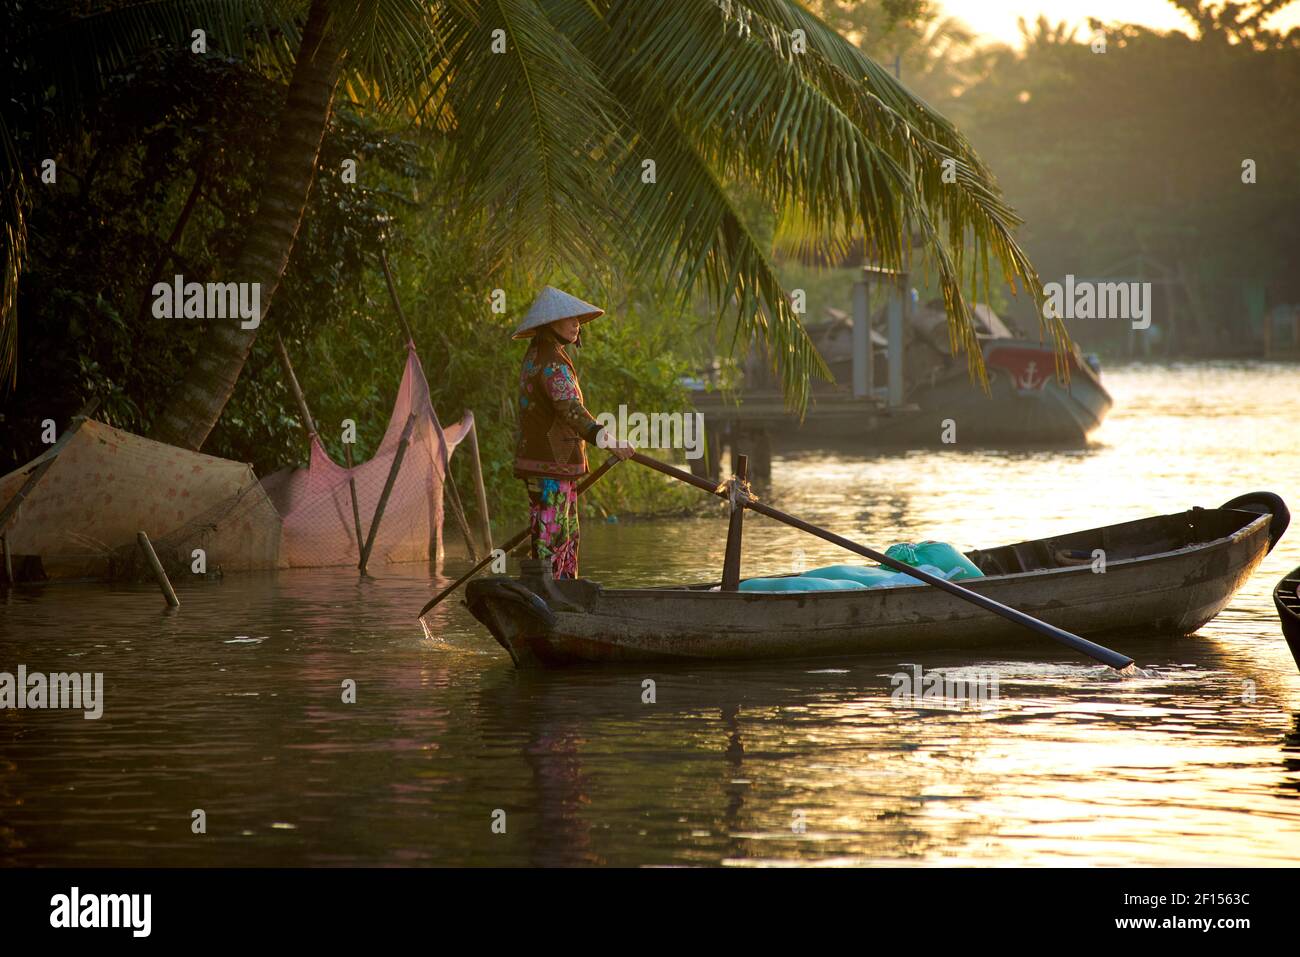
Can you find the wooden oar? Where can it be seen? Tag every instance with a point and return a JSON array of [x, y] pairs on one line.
[[1083, 645], [517, 539]]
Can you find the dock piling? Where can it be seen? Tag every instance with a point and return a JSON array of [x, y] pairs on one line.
[[863, 363], [895, 316]]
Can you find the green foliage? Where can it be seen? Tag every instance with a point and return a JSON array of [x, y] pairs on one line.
[[548, 134], [1239, 21], [634, 355], [99, 238], [347, 344], [176, 128]]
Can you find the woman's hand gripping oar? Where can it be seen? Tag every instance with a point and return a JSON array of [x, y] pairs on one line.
[[516, 540], [1082, 645]]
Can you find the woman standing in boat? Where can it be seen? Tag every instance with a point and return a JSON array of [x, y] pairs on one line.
[[553, 425]]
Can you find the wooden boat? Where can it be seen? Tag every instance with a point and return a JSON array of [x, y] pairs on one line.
[[1025, 404], [1286, 596], [1165, 575]]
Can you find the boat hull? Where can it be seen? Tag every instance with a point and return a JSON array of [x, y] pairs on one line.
[[1173, 592], [1026, 404], [1286, 596]]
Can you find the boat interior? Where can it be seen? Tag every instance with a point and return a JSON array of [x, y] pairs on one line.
[[1287, 595], [1137, 539]]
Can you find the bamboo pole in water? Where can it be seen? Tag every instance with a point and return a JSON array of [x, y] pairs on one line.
[[159, 573], [352, 489], [457, 509], [388, 490], [476, 467]]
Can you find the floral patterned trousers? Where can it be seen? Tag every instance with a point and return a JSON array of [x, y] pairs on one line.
[[553, 521]]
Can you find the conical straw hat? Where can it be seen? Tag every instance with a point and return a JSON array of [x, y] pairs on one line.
[[552, 304]]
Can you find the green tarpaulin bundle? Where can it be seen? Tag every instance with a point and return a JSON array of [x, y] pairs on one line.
[[938, 558]]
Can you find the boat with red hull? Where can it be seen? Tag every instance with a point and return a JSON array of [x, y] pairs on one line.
[[1026, 405]]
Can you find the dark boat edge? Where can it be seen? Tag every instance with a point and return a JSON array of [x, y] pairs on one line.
[[1286, 597]]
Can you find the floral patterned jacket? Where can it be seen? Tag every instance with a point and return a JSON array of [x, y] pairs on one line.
[[553, 422]]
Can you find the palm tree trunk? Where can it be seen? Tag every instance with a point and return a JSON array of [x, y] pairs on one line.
[[210, 381]]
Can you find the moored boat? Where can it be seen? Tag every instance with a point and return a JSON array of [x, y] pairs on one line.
[[1164, 575], [1026, 405], [1286, 596]]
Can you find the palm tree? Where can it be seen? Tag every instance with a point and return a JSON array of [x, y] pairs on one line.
[[555, 111], [291, 167], [1242, 21]]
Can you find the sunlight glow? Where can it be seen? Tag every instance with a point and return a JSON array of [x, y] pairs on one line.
[[996, 21]]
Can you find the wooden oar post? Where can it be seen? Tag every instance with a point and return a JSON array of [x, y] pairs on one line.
[[155, 565], [731, 561]]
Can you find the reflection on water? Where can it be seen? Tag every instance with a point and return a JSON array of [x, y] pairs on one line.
[[233, 704]]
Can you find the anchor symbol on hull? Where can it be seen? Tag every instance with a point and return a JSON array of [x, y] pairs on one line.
[[1030, 380]]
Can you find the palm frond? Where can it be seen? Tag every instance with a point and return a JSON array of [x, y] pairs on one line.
[[690, 230], [81, 49], [970, 210], [394, 47], [826, 131], [532, 128], [14, 200], [685, 226]]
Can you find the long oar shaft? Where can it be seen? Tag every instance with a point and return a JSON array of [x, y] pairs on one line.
[[1082, 645], [516, 540], [507, 548]]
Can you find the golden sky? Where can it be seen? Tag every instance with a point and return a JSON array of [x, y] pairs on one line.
[[996, 19]]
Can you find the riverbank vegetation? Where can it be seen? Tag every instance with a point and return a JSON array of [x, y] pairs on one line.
[[615, 144], [1167, 157], [162, 164]]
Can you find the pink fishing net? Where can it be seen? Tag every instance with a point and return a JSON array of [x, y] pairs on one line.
[[316, 503]]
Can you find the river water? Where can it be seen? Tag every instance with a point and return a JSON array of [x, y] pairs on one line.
[[233, 705]]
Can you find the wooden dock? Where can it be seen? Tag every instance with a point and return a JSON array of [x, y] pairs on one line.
[[745, 421]]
